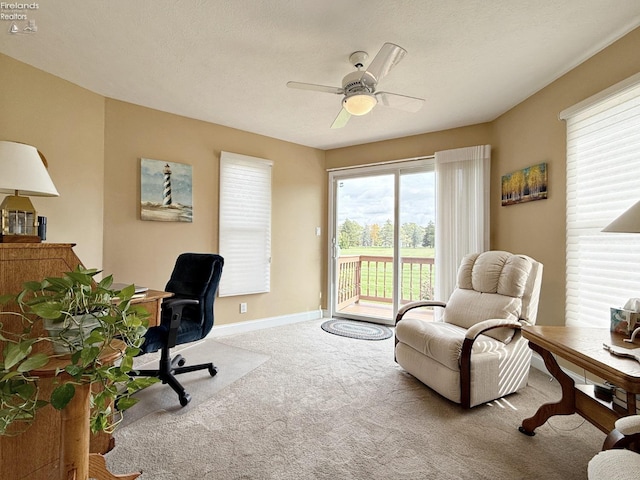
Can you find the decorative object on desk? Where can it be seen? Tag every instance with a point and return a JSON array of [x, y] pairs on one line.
[[23, 170], [525, 185], [42, 228], [165, 191], [67, 302], [625, 320], [620, 401], [633, 353]]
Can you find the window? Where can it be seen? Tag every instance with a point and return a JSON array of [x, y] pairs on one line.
[[603, 170], [245, 224]]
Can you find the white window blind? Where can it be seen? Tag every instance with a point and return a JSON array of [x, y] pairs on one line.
[[245, 224], [603, 171]]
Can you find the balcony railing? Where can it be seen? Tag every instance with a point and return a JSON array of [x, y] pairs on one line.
[[363, 277]]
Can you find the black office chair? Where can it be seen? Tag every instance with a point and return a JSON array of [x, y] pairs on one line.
[[186, 317]]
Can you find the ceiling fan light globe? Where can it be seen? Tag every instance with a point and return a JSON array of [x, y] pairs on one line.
[[360, 103]]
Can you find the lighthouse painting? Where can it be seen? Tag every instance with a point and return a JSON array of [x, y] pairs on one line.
[[165, 191]]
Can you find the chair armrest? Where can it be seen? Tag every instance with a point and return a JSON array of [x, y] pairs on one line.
[[175, 305], [467, 346], [481, 327], [625, 433], [421, 303], [173, 302], [628, 425]]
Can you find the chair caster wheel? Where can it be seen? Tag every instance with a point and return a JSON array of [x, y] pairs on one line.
[[181, 361], [213, 370], [185, 399]]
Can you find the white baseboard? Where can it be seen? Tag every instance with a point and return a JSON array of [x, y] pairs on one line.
[[262, 323]]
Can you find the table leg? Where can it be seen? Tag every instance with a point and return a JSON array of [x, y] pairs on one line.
[[566, 405]]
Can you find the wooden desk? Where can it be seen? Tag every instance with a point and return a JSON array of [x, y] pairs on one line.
[[152, 302], [583, 347]]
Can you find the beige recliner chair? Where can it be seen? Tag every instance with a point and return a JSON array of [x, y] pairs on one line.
[[615, 461], [476, 353]]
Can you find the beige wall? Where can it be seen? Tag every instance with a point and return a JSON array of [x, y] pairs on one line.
[[528, 134], [66, 123], [532, 133], [409, 147], [145, 251], [94, 147]]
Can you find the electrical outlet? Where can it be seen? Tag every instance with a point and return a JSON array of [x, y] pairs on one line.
[[243, 308]]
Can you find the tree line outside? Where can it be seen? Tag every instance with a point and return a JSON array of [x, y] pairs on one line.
[[353, 235]]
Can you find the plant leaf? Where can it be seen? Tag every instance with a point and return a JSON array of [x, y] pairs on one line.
[[14, 353], [74, 370], [106, 282], [32, 286], [4, 299], [126, 364], [62, 395], [33, 362], [126, 402], [49, 310]]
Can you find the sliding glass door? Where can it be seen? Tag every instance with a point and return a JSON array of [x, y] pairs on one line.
[[381, 232]]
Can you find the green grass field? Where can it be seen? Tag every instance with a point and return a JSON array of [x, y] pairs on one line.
[[374, 283]]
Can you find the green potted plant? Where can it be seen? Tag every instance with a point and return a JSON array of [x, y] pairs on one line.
[[84, 318]]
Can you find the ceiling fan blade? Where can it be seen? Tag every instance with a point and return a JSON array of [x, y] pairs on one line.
[[401, 102], [385, 60], [317, 88], [341, 120]]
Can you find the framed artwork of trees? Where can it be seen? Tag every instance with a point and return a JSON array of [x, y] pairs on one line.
[[525, 185]]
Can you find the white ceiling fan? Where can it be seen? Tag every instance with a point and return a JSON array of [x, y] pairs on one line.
[[359, 87]]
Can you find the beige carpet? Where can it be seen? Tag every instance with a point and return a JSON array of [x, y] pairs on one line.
[[232, 364], [329, 407]]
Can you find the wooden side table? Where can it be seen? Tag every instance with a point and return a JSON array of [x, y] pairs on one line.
[[74, 460], [583, 347]]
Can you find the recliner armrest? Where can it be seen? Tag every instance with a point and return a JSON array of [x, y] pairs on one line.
[[481, 327], [422, 303]]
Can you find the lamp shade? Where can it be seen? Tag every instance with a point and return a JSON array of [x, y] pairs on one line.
[[360, 103], [628, 222], [22, 170]]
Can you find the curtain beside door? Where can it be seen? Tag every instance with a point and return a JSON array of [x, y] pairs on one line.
[[462, 210]]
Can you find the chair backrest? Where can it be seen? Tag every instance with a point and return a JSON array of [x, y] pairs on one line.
[[495, 284], [197, 275]]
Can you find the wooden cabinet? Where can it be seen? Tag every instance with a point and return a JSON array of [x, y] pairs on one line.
[[35, 454]]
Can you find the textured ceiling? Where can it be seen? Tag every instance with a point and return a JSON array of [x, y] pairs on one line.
[[228, 61]]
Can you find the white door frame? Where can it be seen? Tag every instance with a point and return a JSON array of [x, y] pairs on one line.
[[397, 168]]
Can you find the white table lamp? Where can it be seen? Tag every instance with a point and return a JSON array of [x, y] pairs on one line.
[[627, 222], [23, 171]]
